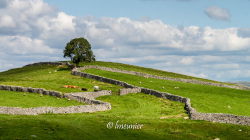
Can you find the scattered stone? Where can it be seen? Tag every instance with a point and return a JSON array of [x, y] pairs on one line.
[[217, 139], [240, 130], [163, 117], [96, 88], [68, 99], [33, 136], [186, 118]]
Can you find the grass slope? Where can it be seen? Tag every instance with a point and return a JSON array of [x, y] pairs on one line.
[[50, 78], [146, 70], [130, 109], [22, 99], [204, 98]]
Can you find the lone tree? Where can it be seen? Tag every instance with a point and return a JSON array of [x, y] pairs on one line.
[[79, 50]]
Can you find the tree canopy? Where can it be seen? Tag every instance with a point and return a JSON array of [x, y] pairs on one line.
[[79, 50]]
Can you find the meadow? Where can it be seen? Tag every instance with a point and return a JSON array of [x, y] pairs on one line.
[[148, 71], [204, 98], [25, 100], [161, 118], [50, 78]]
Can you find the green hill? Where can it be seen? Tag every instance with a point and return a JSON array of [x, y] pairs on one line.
[[161, 119], [204, 98], [144, 70]]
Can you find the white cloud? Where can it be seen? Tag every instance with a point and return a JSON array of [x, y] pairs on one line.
[[186, 61], [20, 45], [34, 31], [218, 13], [63, 22], [156, 34], [6, 21]]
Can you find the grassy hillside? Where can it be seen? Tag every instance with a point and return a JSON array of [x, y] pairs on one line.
[[22, 99], [162, 119], [130, 109], [146, 70], [204, 98], [50, 78]]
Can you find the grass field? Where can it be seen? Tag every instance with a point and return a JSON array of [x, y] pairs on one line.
[[22, 99], [203, 97], [128, 109], [162, 119], [147, 70], [50, 78]]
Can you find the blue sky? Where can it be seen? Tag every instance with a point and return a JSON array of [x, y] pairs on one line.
[[174, 12], [203, 38]]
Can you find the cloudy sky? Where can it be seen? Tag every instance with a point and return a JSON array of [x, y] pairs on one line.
[[204, 38]]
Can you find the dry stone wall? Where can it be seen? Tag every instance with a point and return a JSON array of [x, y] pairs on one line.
[[163, 78], [47, 63], [31, 90], [102, 79], [89, 98], [125, 91], [193, 114], [54, 110]]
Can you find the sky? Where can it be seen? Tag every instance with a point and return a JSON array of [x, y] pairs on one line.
[[204, 38]]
